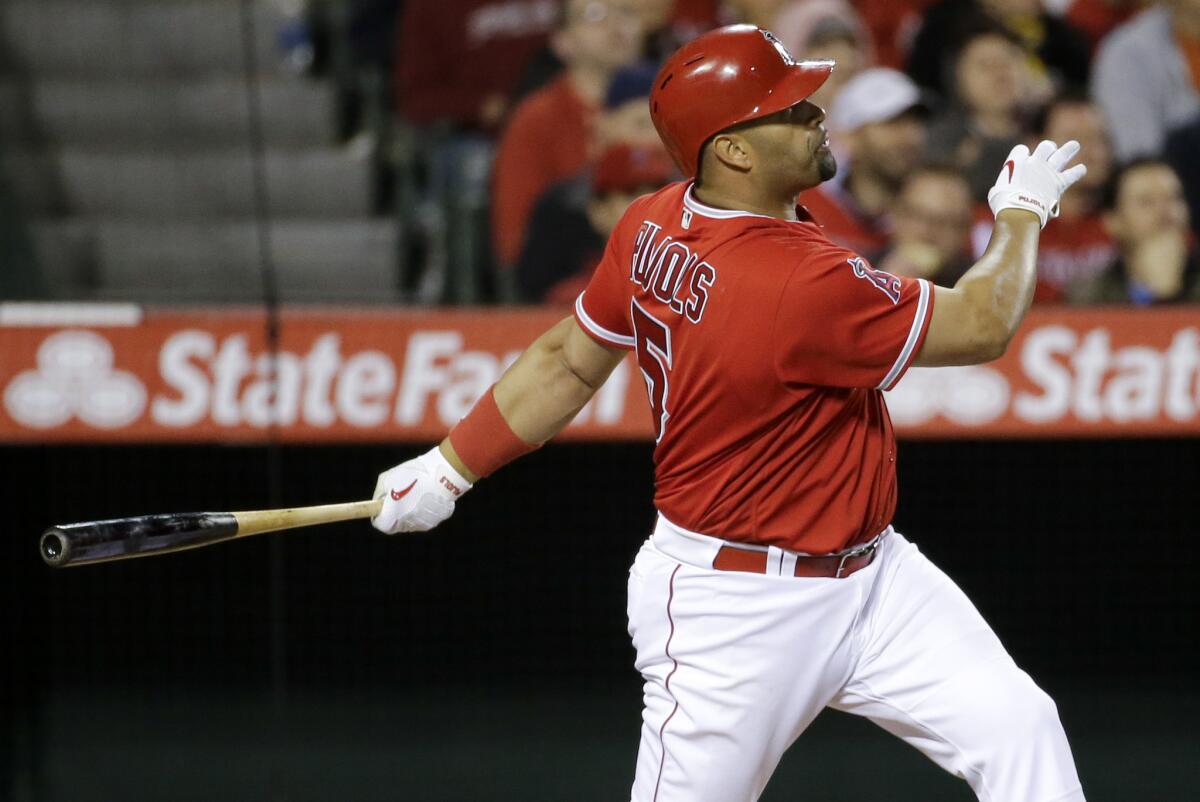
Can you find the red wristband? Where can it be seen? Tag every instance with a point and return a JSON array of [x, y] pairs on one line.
[[483, 439]]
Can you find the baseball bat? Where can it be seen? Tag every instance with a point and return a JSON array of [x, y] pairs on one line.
[[147, 535]]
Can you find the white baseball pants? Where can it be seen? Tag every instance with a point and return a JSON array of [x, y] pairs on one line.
[[737, 665]]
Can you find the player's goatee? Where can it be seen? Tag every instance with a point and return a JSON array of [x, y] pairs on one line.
[[826, 166]]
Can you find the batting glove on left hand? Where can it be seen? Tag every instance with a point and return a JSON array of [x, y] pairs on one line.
[[1035, 181], [418, 494]]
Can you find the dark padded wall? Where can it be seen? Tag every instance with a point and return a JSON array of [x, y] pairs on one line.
[[506, 627]]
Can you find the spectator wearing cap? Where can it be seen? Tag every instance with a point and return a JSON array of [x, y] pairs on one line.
[[1147, 77], [931, 227], [984, 119], [826, 29], [572, 221], [1157, 261], [548, 135], [1075, 245], [878, 127], [1054, 53]]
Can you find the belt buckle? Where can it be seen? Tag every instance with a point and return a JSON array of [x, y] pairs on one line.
[[857, 551]]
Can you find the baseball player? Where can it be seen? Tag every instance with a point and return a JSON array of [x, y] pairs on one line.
[[773, 584]]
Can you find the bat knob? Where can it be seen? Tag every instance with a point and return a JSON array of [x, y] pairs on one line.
[[55, 548]]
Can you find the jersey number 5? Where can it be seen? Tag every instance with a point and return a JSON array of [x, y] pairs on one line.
[[653, 342]]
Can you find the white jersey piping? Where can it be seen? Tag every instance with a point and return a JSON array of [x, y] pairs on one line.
[[598, 330], [914, 335]]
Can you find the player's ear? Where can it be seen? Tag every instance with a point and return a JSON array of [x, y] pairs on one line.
[[733, 151]]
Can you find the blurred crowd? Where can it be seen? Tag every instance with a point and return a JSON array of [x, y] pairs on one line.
[[927, 98]]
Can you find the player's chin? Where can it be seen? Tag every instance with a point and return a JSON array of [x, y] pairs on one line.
[[826, 165]]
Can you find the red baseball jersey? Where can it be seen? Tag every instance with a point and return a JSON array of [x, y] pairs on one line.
[[764, 348]]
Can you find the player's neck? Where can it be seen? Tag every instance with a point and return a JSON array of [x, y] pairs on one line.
[[719, 197]]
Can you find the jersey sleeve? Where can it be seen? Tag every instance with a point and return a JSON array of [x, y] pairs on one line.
[[842, 323], [601, 309]]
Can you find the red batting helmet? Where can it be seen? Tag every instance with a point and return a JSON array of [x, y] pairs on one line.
[[722, 78]]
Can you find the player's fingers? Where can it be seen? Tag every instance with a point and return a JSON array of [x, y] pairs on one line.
[[1044, 150], [1072, 175], [1062, 157], [1017, 155], [385, 521]]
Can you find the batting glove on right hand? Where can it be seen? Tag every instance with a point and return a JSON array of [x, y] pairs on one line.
[[1036, 181], [418, 494]]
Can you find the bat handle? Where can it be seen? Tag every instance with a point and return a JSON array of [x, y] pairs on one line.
[[259, 521]]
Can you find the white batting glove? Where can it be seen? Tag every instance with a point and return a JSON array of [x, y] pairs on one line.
[[1035, 181], [418, 494]]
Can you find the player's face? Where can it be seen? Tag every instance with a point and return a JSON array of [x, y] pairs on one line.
[[794, 145]]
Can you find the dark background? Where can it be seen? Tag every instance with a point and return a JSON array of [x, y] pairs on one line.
[[489, 659]]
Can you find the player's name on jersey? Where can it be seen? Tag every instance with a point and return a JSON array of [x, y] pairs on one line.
[[210, 375]]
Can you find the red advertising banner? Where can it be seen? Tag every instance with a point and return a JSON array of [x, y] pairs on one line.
[[119, 373]]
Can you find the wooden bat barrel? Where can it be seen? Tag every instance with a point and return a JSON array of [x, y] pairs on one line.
[[142, 536], [123, 538]]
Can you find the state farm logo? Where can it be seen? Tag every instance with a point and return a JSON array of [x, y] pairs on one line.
[[209, 378], [205, 379], [1062, 375], [969, 396], [75, 379]]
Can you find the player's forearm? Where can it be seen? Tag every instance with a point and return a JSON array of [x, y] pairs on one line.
[[999, 287], [539, 395]]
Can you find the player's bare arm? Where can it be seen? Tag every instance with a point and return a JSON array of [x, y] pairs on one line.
[[546, 387], [975, 320], [533, 401]]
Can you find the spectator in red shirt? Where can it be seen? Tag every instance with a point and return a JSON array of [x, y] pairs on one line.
[[931, 226], [878, 128], [572, 221], [548, 136], [459, 60], [1076, 245]]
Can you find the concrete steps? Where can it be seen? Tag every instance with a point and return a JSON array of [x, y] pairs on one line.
[[202, 112], [213, 261], [127, 144], [316, 183], [135, 38]]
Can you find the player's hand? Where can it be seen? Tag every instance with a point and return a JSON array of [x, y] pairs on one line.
[[418, 494], [1035, 181]]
